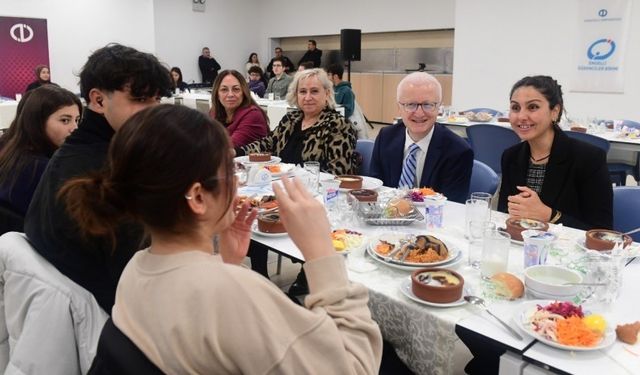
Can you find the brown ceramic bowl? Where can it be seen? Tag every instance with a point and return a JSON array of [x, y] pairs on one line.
[[259, 156], [441, 287], [579, 129], [270, 223], [364, 195], [515, 227], [605, 239], [348, 181]]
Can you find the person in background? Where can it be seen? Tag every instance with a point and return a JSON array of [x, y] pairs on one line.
[[43, 77], [252, 61], [313, 54], [256, 82], [178, 83], [116, 82], [279, 84], [285, 61], [344, 93], [233, 106], [208, 65], [305, 65], [182, 299], [549, 176], [418, 152], [47, 115], [314, 131]]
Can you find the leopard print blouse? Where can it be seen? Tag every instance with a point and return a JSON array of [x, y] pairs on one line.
[[332, 143]]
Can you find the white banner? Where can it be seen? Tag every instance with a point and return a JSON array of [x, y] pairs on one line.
[[603, 28]]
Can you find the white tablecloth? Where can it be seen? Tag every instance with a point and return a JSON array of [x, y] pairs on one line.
[[7, 113]]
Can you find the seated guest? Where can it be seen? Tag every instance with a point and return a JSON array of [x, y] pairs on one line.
[[279, 84], [178, 83], [305, 65], [234, 107], [313, 132], [256, 83], [549, 176], [418, 152], [186, 303], [313, 54], [45, 117], [344, 93], [43, 77], [116, 82], [251, 62], [288, 65]]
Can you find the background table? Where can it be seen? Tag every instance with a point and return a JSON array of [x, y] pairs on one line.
[[7, 113]]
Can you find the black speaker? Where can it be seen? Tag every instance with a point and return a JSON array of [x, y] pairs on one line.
[[350, 44]]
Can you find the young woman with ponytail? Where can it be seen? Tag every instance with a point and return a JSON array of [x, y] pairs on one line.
[[187, 303]]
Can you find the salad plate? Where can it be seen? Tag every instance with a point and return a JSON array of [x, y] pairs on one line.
[[523, 319]]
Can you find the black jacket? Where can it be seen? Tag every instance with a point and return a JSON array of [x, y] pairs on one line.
[[93, 263], [576, 181], [208, 69], [314, 56]]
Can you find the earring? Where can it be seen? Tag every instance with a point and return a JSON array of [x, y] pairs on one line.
[[188, 197]]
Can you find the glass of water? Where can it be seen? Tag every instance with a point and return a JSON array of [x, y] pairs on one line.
[[313, 167], [495, 253], [476, 237]]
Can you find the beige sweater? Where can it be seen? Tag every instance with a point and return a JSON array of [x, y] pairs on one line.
[[190, 313]]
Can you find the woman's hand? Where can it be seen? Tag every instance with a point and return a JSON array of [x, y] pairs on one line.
[[304, 218], [527, 204], [234, 241]]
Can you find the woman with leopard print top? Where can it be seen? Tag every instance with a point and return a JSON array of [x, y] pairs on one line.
[[315, 131]]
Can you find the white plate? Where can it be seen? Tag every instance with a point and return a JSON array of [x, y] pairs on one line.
[[527, 308], [245, 160], [424, 201], [633, 250], [516, 242], [367, 183], [285, 169], [454, 254], [405, 288], [254, 229]]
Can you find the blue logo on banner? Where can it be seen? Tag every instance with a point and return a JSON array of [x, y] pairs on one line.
[[602, 12], [601, 49]]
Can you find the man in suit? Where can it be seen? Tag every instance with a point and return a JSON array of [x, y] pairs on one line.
[[418, 152]]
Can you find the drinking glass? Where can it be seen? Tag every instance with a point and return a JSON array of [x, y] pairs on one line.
[[313, 167], [241, 173], [478, 208], [604, 272], [476, 236], [495, 253]]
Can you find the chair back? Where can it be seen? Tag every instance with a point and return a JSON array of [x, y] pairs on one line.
[[364, 148], [489, 142], [591, 139], [626, 209], [483, 179], [631, 124], [117, 354], [492, 112], [48, 323]]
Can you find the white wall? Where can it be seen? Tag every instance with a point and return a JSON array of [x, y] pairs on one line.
[[497, 42], [228, 28], [77, 28]]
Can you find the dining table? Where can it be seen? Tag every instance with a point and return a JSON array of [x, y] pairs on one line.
[[7, 112], [618, 139], [425, 335]]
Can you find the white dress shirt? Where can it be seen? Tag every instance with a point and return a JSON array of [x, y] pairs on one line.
[[421, 154]]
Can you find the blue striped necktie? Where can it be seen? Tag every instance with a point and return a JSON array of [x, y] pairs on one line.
[[408, 176]]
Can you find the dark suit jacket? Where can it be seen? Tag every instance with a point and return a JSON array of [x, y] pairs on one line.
[[447, 166], [576, 181]]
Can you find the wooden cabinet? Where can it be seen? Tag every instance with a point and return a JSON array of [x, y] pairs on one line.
[[376, 93]]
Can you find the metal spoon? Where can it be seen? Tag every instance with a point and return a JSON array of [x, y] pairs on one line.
[[480, 302]]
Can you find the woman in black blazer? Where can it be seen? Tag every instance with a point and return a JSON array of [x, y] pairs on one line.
[[549, 176]]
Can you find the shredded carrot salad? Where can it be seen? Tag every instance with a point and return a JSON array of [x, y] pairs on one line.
[[572, 331]]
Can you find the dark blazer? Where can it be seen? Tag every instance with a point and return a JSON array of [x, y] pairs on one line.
[[576, 181], [447, 166]]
